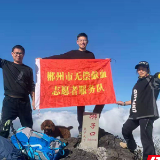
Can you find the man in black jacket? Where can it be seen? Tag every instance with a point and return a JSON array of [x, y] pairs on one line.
[[81, 53], [18, 84]]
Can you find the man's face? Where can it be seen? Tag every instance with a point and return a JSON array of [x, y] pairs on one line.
[[142, 71], [17, 55], [82, 42]]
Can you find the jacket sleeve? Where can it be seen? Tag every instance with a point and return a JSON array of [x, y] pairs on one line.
[[32, 84], [61, 56], [2, 61], [93, 56], [157, 80]]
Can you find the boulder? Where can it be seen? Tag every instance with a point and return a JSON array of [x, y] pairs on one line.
[[108, 149]]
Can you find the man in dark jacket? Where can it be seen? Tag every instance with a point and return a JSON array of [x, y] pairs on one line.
[[81, 53], [18, 84]]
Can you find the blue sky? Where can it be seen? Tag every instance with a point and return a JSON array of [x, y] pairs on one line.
[[125, 30]]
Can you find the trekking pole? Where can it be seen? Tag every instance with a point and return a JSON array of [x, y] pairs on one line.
[[12, 128]]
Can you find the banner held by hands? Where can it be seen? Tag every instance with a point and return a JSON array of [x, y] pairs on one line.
[[64, 83]]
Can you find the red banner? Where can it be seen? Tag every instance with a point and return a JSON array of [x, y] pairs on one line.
[[74, 83], [153, 157]]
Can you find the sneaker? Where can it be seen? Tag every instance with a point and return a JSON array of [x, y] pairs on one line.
[[6, 126], [5, 129], [79, 135], [123, 145]]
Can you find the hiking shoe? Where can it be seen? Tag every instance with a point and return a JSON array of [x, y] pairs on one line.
[[6, 126], [123, 145], [5, 129], [79, 135]]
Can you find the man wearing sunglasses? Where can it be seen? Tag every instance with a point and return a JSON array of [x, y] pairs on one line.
[[81, 53], [18, 84]]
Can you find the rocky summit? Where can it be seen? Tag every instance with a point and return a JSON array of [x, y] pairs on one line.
[[108, 149]]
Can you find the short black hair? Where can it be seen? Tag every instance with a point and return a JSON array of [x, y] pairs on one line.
[[19, 47], [82, 35]]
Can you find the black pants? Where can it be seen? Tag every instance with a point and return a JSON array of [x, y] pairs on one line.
[[146, 128], [80, 111], [13, 108]]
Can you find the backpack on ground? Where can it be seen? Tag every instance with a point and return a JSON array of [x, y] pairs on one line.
[[8, 151], [38, 146]]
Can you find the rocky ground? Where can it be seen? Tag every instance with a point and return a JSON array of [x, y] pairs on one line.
[[108, 149]]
